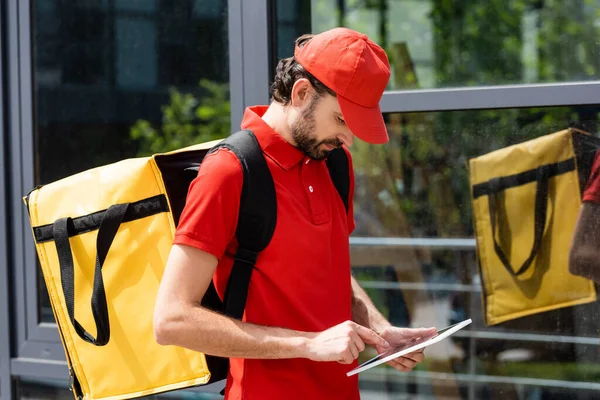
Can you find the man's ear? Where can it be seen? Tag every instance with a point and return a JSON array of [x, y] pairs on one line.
[[302, 93]]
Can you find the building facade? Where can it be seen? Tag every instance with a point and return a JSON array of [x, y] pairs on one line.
[[89, 82]]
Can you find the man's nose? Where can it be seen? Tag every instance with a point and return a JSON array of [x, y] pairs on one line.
[[346, 138]]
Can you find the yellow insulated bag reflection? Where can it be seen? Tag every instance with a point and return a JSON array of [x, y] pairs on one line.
[[526, 199]]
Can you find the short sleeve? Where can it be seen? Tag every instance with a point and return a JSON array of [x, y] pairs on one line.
[[209, 218], [592, 191], [351, 221]]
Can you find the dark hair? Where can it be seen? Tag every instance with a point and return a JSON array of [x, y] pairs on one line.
[[288, 71]]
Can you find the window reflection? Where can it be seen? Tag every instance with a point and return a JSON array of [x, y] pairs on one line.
[[417, 186], [100, 66], [440, 43]]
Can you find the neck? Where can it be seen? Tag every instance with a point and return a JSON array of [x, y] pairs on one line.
[[276, 118]]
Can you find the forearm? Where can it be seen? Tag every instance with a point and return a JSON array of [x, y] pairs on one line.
[[364, 311], [584, 261], [202, 330], [584, 256]]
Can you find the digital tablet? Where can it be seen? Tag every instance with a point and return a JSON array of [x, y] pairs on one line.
[[409, 347]]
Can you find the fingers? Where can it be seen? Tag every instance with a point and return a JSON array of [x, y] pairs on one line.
[[352, 338], [350, 354], [355, 346], [347, 359], [407, 362], [403, 364], [353, 351], [418, 332], [358, 342], [370, 337], [358, 336], [417, 356]]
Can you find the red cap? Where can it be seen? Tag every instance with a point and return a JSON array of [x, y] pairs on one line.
[[357, 70]]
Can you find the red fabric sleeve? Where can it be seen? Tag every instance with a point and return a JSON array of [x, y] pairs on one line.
[[209, 218], [592, 191], [351, 221]]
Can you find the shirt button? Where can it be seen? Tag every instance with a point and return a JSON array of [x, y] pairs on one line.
[[310, 188], [307, 161]]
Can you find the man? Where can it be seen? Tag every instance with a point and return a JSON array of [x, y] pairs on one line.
[[306, 318], [584, 257]]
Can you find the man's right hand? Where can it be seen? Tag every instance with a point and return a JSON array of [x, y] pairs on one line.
[[342, 343]]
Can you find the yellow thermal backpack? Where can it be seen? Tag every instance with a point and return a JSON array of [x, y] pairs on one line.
[[526, 199], [103, 237]]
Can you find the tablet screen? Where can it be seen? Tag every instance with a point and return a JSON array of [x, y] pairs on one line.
[[416, 343], [404, 346]]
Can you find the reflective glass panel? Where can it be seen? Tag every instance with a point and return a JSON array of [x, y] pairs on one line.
[[414, 252], [455, 43]]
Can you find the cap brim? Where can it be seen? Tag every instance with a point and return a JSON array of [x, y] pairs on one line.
[[366, 123]]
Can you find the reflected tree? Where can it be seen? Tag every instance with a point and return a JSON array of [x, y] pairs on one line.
[[186, 120]]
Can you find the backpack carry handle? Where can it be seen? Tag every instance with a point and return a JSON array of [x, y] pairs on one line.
[[109, 226], [541, 207]]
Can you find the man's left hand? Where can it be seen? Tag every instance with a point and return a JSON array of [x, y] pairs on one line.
[[400, 336]]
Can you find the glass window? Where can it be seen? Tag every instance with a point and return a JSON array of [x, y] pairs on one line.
[[417, 188], [439, 43], [119, 79], [417, 185]]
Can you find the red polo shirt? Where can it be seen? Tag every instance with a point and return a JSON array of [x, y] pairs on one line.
[[301, 280], [592, 191]]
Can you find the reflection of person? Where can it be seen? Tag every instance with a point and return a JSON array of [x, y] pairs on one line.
[[584, 256], [306, 318]]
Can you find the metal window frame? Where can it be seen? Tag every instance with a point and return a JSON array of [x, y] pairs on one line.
[[250, 58], [5, 347], [426, 378], [33, 340], [492, 97]]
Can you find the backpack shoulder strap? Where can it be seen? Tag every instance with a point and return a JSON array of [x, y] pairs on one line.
[[257, 216], [339, 170]]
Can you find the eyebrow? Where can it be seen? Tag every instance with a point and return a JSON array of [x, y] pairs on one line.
[[339, 114]]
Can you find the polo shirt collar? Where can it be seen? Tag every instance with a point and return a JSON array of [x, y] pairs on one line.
[[271, 143]]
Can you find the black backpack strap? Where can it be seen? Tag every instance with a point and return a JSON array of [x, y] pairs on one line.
[[339, 170], [257, 217]]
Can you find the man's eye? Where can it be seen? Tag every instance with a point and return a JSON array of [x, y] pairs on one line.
[[341, 121]]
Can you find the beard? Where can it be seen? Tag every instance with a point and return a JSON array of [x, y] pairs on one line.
[[303, 134]]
